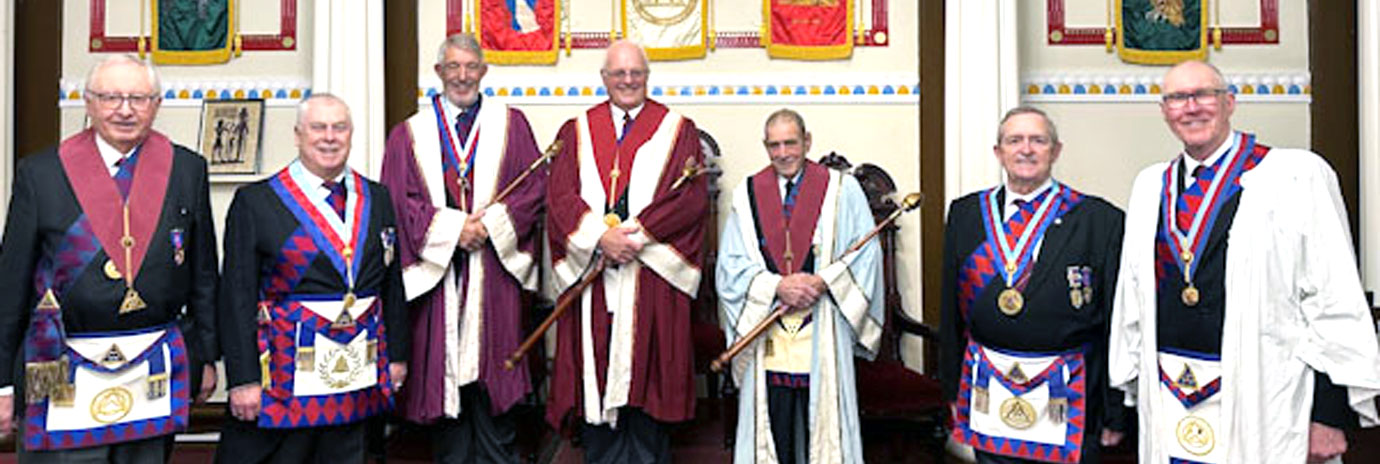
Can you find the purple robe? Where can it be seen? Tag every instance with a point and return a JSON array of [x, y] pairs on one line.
[[421, 226]]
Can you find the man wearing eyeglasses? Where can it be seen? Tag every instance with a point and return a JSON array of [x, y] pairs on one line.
[[783, 245], [313, 321], [107, 327], [466, 258], [621, 203], [1240, 328], [1029, 267]]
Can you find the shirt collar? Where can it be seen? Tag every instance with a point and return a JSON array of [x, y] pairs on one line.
[[1012, 196], [453, 111], [781, 180], [110, 154], [306, 178], [619, 112], [1190, 163]]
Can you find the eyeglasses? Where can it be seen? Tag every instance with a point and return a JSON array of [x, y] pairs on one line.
[[111, 101], [468, 67], [1203, 97], [619, 74], [1034, 140]]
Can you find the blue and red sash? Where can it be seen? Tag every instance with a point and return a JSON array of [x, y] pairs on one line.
[[292, 326], [1199, 205], [795, 232], [608, 150], [454, 170], [988, 259], [318, 227], [37, 437], [1066, 378]]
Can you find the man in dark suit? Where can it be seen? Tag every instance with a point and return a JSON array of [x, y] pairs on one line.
[[1029, 269], [107, 325], [313, 320]]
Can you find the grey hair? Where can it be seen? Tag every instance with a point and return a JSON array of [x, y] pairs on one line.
[[787, 115], [1052, 131], [463, 41], [1216, 73], [305, 105], [125, 58]]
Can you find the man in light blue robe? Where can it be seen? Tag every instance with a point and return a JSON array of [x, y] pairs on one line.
[[784, 245]]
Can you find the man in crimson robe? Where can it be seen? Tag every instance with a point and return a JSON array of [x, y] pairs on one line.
[[467, 255], [621, 205]]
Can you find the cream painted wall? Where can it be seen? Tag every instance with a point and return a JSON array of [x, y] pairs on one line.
[[180, 122], [887, 135], [1107, 143]]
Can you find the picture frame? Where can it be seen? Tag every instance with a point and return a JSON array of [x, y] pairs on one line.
[[231, 135]]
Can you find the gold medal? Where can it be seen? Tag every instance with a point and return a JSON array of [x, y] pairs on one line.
[[1195, 435], [612, 220], [132, 302], [112, 272], [1010, 302], [1187, 256], [1190, 296], [1017, 413]]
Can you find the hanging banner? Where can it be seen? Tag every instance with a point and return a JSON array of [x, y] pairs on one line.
[[192, 31], [808, 29], [519, 31], [1161, 31], [667, 29]]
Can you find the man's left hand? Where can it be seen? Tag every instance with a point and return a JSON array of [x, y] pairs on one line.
[[208, 382], [398, 371], [474, 234], [1325, 442]]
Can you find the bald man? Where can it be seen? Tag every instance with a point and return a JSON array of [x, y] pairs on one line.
[[109, 281], [1239, 328], [315, 327], [623, 354]]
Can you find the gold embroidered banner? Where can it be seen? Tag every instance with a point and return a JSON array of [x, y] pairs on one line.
[[1161, 31], [192, 31], [808, 29], [519, 31], [667, 29]]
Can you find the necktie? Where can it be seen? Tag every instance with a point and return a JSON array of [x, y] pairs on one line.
[[1192, 198], [463, 122], [124, 178], [1017, 220], [627, 124], [336, 197], [788, 204]]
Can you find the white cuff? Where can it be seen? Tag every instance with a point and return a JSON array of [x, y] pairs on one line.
[[442, 236], [761, 295], [579, 249], [503, 236], [7, 390], [666, 262], [853, 303]]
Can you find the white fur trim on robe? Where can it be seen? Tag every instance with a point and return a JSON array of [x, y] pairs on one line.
[[1295, 306], [747, 292]]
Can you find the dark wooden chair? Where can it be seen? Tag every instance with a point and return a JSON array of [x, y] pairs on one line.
[[895, 403]]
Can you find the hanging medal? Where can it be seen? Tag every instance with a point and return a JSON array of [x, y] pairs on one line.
[[457, 170], [1016, 258], [1187, 246], [329, 232]]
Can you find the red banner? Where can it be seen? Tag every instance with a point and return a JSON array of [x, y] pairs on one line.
[[519, 31], [808, 29]]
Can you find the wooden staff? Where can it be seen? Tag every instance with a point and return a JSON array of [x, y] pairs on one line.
[[567, 300], [550, 153], [910, 202]]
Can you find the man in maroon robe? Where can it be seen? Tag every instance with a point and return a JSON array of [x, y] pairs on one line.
[[621, 205], [466, 258]]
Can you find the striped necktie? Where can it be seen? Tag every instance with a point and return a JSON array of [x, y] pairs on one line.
[[336, 197]]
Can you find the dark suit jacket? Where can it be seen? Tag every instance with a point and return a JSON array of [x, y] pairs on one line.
[[42, 208], [1089, 234], [255, 230]]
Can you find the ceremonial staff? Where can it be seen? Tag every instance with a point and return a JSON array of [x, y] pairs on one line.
[[910, 202], [550, 153], [691, 170]]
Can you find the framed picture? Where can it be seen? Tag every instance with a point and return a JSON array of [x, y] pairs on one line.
[[231, 132]]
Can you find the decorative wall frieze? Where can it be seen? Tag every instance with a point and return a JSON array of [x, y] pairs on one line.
[[1277, 87]]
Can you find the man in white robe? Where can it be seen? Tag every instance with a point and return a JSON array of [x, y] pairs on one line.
[[1256, 259], [798, 401]]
